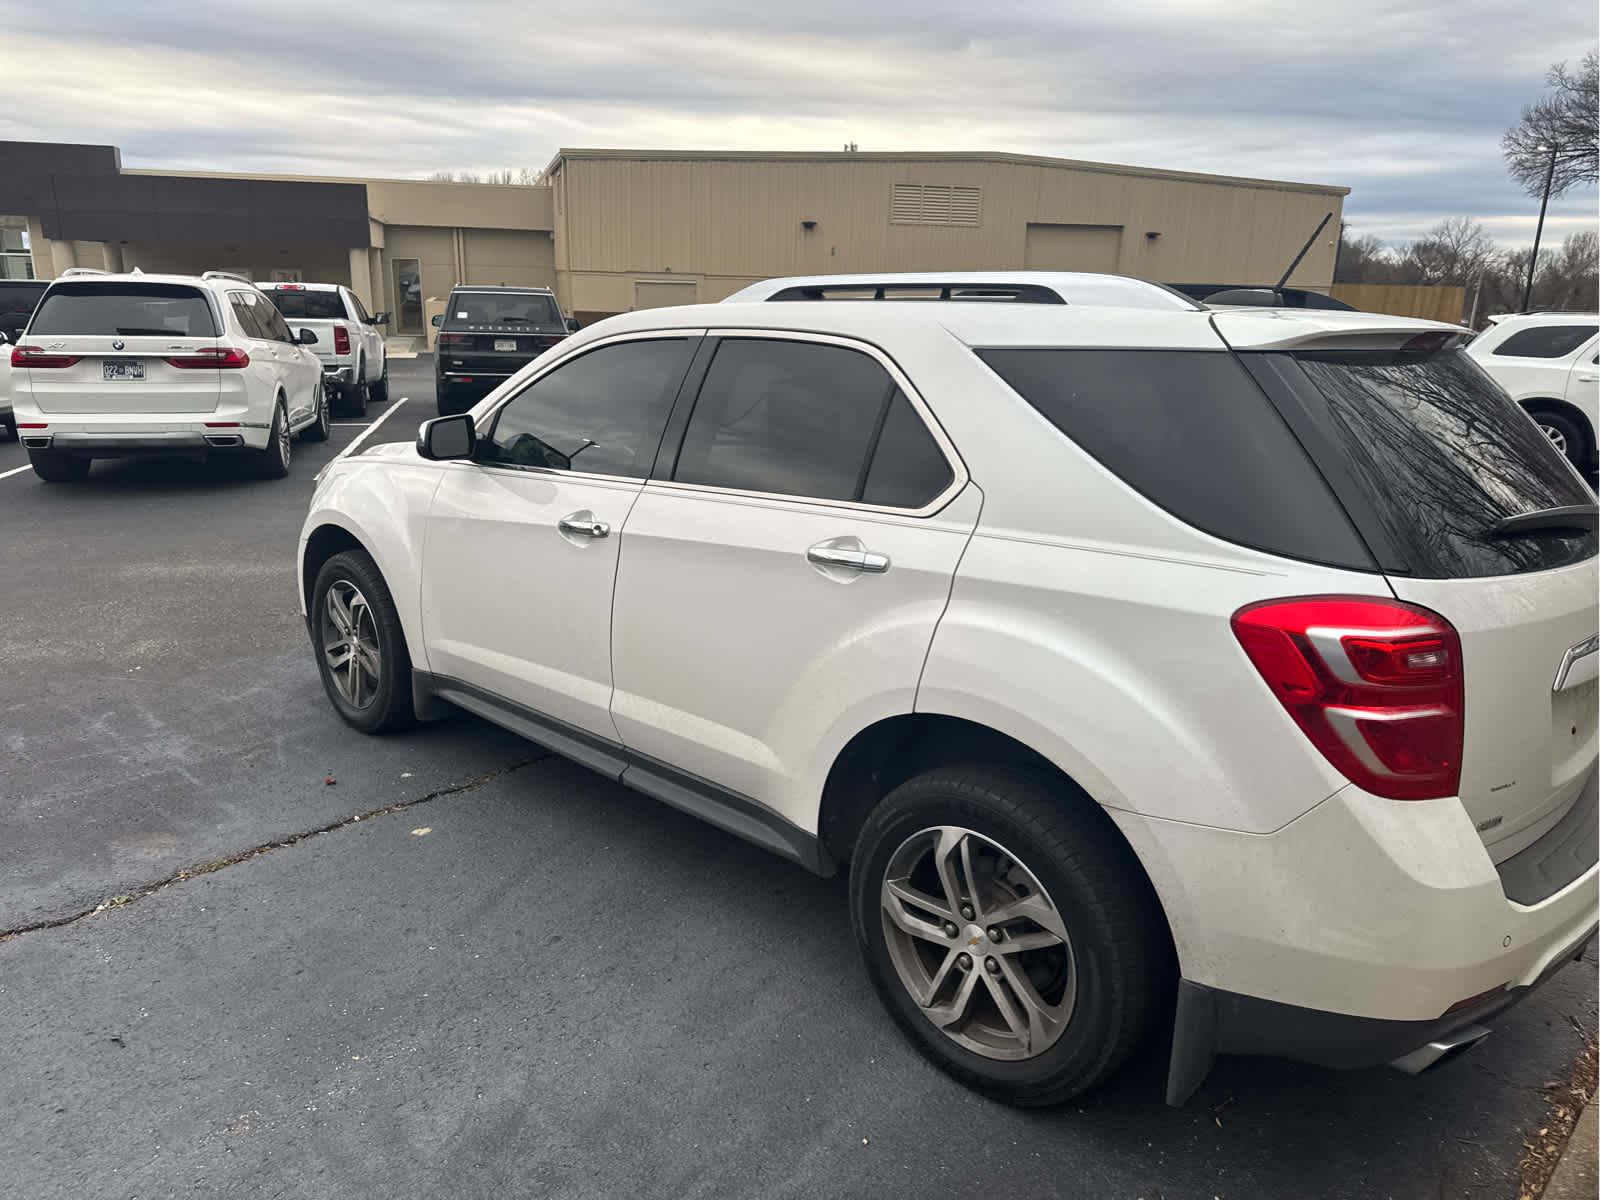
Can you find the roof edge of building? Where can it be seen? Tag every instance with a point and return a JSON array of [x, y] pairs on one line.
[[580, 154]]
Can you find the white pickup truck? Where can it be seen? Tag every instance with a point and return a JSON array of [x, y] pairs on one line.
[[349, 340]]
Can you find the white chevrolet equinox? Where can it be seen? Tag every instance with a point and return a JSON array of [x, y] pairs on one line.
[[1144, 662], [125, 366]]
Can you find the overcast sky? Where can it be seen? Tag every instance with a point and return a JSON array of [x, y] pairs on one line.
[[1403, 102]]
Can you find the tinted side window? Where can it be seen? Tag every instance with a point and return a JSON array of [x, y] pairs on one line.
[[790, 418], [358, 308], [1546, 341], [908, 469], [273, 325], [1193, 432], [602, 413], [133, 309], [245, 312]]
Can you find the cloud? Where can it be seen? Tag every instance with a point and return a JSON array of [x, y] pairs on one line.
[[1405, 106]]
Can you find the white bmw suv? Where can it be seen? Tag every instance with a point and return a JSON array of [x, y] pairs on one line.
[[1140, 660], [118, 366]]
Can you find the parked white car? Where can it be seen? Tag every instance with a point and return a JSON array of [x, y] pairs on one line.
[[1124, 649], [1549, 362], [350, 346], [8, 420], [118, 366]]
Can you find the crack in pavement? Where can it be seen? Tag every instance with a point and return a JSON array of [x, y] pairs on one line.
[[139, 893]]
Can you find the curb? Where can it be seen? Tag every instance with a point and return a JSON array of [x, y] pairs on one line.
[[1576, 1176]]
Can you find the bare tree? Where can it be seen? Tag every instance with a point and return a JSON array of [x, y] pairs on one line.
[[1362, 258], [1566, 122], [1455, 251]]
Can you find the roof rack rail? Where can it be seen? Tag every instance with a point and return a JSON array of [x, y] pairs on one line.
[[890, 289], [234, 275], [72, 272]]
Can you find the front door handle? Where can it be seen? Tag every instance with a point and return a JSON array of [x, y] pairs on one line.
[[1589, 378], [583, 524], [866, 561]]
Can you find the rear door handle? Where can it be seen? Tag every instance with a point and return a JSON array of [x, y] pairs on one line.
[[1589, 378], [583, 524], [866, 561]]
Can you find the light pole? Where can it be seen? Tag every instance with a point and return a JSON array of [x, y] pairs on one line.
[[1538, 230]]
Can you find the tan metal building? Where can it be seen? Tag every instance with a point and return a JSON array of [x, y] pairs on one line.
[[613, 230]]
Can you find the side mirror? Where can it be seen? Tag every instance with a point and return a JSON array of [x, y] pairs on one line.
[[572, 324], [307, 337], [380, 318], [449, 437], [438, 320], [4, 340]]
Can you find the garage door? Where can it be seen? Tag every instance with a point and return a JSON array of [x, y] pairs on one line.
[[662, 294], [1073, 247]]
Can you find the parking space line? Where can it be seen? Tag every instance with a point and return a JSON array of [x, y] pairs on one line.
[[16, 471], [370, 429]]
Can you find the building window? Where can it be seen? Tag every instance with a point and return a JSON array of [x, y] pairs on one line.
[[935, 204], [16, 260]]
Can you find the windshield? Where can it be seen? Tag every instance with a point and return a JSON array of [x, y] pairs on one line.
[[315, 306], [1446, 456], [131, 309], [472, 309]]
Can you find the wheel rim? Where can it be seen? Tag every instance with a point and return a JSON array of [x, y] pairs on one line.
[[350, 644], [977, 943], [281, 426], [322, 409], [1557, 438]]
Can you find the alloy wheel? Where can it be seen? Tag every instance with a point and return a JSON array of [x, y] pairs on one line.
[[350, 645], [978, 943], [1557, 438], [284, 437]]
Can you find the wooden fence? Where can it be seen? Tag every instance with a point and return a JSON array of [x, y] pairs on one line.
[[1434, 303]]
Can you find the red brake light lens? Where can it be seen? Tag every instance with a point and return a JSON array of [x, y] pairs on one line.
[[211, 358], [36, 356], [1375, 684], [454, 339], [341, 340]]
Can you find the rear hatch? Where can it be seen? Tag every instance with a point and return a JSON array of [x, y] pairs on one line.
[[1473, 514], [495, 333], [115, 347], [319, 310]]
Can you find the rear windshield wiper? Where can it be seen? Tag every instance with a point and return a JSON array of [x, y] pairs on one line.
[[140, 331], [1569, 518]]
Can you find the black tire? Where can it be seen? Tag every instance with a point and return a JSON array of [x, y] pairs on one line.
[[1114, 967], [318, 430], [10, 423], [53, 466], [273, 462], [1565, 434], [380, 390], [389, 706], [355, 395], [446, 401]]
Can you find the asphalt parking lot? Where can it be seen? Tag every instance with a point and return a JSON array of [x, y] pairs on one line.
[[508, 977]]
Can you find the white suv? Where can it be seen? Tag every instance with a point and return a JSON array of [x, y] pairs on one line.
[[1130, 653], [1550, 364], [118, 366]]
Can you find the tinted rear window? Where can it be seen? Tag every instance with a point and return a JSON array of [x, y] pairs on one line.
[[1193, 432], [1444, 455], [471, 310], [315, 306], [131, 309]]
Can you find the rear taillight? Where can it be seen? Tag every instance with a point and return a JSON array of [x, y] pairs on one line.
[[454, 339], [1375, 684], [341, 340], [221, 356], [35, 356]]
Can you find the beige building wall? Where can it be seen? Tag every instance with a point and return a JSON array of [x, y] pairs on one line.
[[725, 220]]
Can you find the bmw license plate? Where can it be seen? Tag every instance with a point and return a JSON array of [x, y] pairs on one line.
[[122, 368], [505, 343]]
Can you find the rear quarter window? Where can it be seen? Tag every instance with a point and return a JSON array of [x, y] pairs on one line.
[[1192, 432], [130, 309], [1545, 341]]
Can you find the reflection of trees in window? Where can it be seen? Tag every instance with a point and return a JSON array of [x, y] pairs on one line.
[[1449, 457]]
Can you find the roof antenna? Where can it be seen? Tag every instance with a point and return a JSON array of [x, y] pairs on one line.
[[1315, 233]]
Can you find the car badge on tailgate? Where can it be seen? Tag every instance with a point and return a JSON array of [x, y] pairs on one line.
[[1589, 645], [118, 344]]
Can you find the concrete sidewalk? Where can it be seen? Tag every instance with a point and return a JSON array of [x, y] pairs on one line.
[[1576, 1176]]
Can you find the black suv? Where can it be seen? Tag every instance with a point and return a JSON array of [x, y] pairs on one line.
[[488, 334]]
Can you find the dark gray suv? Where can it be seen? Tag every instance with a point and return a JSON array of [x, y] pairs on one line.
[[488, 334]]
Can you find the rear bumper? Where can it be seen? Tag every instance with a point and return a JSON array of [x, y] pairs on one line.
[[338, 376], [139, 441], [1211, 1022]]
